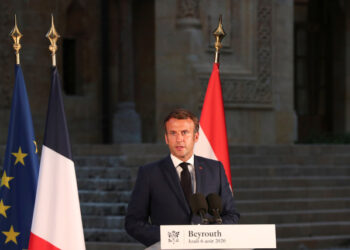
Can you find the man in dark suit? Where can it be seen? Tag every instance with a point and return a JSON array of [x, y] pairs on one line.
[[162, 188]]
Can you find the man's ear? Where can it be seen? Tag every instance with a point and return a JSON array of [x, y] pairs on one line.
[[196, 136], [166, 138]]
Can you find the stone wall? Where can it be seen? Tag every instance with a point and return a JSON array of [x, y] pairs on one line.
[[173, 55], [256, 64], [73, 19]]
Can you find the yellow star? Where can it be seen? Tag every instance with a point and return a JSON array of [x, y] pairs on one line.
[[19, 156], [11, 235], [3, 208], [5, 180]]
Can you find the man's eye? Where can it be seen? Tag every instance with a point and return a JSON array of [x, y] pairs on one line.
[[172, 133], [184, 132]]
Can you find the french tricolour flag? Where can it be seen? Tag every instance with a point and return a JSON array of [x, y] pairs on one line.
[[212, 142], [57, 220]]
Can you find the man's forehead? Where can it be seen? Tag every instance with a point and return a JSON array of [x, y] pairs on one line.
[[179, 124]]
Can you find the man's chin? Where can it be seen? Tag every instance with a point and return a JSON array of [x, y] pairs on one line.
[[180, 156]]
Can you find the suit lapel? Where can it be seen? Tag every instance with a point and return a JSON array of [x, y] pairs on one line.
[[199, 172], [172, 178]]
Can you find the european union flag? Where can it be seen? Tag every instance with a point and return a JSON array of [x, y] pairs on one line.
[[20, 172]]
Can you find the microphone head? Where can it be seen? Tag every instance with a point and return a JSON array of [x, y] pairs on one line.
[[197, 203], [214, 202]]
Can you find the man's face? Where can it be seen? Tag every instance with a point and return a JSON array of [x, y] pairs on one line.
[[180, 137]]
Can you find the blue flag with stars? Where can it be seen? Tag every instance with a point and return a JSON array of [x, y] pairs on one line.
[[20, 172]]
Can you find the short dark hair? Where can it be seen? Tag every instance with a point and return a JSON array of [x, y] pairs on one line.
[[182, 114]]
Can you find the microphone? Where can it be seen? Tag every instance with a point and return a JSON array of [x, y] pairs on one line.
[[215, 207], [199, 206]]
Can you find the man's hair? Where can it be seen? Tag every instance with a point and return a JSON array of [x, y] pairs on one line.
[[182, 114]]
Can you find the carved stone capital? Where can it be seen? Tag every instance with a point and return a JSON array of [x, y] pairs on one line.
[[188, 8], [254, 89], [187, 14]]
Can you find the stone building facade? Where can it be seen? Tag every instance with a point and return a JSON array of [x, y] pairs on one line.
[[125, 64], [256, 64], [75, 20]]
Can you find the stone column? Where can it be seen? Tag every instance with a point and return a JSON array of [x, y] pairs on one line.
[[179, 42], [126, 122], [347, 72]]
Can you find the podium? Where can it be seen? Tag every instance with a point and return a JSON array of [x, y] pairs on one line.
[[218, 236]]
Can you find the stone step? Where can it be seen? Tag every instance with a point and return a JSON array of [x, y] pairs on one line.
[[292, 192], [104, 184], [331, 242], [292, 204], [106, 222], [235, 160], [84, 172], [106, 235], [105, 161], [296, 150], [120, 149], [279, 217], [104, 196], [290, 170], [312, 229], [280, 170], [321, 160], [93, 245], [274, 217], [103, 209], [292, 216], [162, 149], [293, 181], [140, 160]]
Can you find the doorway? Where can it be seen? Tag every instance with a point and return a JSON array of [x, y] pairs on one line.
[[319, 71]]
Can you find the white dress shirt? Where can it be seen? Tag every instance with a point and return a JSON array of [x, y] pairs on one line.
[[190, 162]]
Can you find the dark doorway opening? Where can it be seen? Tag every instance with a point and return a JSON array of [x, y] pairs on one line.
[[319, 71]]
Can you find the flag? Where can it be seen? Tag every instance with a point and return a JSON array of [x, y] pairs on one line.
[[57, 220], [212, 142], [20, 172]]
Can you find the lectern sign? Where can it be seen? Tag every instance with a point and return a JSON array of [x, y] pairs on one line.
[[217, 236]]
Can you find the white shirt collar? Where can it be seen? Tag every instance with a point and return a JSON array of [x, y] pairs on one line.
[[177, 161]]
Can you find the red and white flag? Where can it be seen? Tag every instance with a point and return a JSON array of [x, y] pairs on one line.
[[57, 220], [212, 142]]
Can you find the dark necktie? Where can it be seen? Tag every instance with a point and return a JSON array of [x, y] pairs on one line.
[[186, 180]]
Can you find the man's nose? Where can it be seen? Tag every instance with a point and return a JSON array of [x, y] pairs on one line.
[[179, 137]]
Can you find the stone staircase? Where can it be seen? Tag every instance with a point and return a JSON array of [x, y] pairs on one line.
[[104, 190], [105, 185], [303, 189], [105, 178]]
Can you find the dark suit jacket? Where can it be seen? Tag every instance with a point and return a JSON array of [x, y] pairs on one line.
[[158, 199]]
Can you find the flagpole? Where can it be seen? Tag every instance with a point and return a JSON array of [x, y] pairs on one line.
[[219, 34], [16, 36], [53, 36]]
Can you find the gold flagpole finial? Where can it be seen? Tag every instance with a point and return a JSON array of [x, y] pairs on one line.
[[219, 34], [53, 36], [16, 37]]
